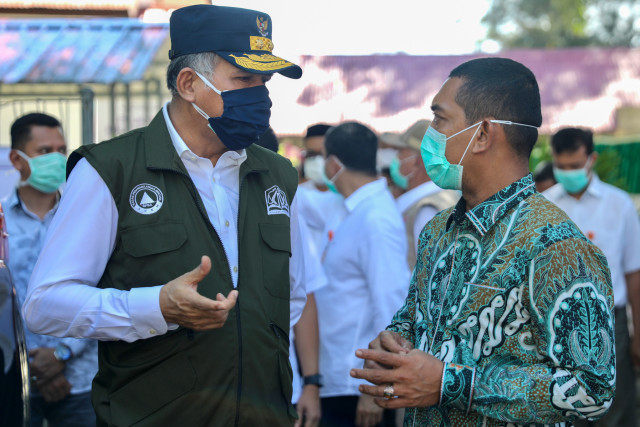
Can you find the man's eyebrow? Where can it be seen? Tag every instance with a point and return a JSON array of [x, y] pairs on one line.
[[436, 107]]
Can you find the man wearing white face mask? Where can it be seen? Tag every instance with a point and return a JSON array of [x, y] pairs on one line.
[[509, 313], [423, 198], [61, 369], [607, 216]]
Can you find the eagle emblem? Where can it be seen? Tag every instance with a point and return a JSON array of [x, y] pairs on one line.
[[263, 25]]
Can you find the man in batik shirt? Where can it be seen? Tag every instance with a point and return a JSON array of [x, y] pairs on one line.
[[509, 312]]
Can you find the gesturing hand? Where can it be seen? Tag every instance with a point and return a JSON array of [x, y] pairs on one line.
[[181, 303]]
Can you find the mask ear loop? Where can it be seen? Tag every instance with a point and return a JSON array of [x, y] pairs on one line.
[[208, 83], [342, 168], [469, 144]]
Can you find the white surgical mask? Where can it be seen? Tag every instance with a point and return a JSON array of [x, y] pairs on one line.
[[313, 167]]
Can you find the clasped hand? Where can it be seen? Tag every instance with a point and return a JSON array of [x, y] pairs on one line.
[[181, 303], [391, 360]]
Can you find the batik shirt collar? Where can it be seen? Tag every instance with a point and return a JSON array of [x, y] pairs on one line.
[[487, 213]]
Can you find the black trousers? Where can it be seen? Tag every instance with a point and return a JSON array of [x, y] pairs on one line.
[[340, 411]]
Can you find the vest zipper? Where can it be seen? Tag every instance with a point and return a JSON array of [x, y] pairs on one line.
[[238, 319]]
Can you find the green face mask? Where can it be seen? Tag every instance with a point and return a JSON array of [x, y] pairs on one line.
[[397, 177], [48, 171], [574, 180], [330, 183]]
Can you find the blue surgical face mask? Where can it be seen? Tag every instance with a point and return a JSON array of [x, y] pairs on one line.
[[245, 116], [433, 147], [574, 180], [331, 183], [48, 171]]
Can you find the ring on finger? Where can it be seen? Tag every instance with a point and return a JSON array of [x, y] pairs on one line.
[[388, 392]]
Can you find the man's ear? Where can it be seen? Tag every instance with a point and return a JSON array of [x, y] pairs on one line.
[[17, 161], [185, 84], [486, 137]]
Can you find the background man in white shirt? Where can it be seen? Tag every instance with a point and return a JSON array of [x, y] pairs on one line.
[[606, 215], [364, 261], [423, 198]]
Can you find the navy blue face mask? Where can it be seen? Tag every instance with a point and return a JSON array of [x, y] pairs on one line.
[[245, 116]]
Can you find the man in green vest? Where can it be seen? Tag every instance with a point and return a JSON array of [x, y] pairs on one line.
[[201, 347]]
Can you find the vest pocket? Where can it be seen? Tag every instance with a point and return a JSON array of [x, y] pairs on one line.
[[275, 253], [275, 258], [151, 239], [153, 390]]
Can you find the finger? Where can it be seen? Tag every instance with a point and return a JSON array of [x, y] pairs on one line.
[[375, 376], [199, 273], [382, 357], [229, 302], [394, 342]]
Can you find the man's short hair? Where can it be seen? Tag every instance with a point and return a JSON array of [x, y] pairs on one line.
[[204, 63], [543, 172], [571, 139], [355, 145], [21, 128], [317, 130], [503, 89]]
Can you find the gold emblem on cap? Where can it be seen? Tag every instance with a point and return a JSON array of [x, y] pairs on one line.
[[263, 25], [264, 62], [260, 43]]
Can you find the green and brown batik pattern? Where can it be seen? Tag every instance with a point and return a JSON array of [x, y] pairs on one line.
[[518, 303]]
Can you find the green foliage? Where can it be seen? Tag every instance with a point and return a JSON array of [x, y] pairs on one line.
[[563, 23], [608, 166]]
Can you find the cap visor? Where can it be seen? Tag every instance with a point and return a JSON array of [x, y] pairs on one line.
[[261, 62]]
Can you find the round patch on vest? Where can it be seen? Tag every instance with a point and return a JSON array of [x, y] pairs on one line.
[[146, 199]]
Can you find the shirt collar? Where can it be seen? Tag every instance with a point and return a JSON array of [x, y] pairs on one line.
[[237, 157], [364, 192], [415, 194], [13, 201], [595, 186], [487, 213]]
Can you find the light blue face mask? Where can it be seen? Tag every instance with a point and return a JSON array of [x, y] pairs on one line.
[[574, 180], [433, 147]]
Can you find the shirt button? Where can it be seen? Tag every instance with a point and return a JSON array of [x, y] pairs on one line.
[[235, 269], [153, 331], [226, 223]]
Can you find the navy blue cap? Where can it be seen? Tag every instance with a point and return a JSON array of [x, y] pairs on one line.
[[241, 36]]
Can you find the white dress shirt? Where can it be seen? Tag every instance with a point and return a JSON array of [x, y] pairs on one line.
[[413, 196], [607, 216], [63, 299], [368, 280]]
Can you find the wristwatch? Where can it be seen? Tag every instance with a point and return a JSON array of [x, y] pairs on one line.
[[315, 379], [62, 353]]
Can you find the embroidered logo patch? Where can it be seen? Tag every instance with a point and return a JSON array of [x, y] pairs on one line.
[[146, 199], [263, 25], [276, 201]]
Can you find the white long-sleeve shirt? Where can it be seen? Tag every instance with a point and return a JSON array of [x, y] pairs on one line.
[[368, 279], [62, 298]]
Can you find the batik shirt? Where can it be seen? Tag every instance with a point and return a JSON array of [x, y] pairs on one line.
[[518, 304]]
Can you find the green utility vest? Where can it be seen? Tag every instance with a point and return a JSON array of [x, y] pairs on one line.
[[238, 375]]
